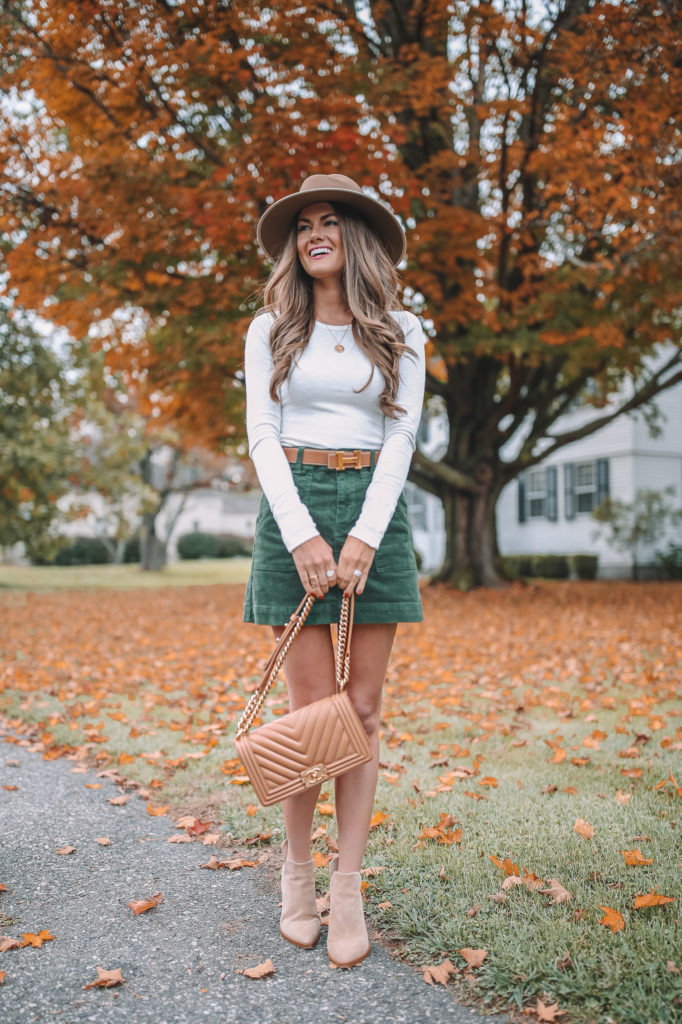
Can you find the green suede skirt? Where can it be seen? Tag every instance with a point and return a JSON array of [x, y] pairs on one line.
[[334, 499]]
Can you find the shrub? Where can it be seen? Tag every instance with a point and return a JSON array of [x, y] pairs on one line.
[[198, 545], [517, 566], [131, 552], [669, 562], [78, 551], [550, 567], [231, 546], [584, 567]]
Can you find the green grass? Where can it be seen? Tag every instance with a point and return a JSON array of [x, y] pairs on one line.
[[123, 577]]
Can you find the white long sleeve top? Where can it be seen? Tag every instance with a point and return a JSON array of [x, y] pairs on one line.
[[321, 406]]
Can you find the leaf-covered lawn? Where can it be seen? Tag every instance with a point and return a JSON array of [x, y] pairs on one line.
[[530, 790]]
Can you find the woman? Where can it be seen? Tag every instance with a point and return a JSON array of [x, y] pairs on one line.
[[334, 391]]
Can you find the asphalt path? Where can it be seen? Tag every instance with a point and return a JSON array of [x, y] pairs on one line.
[[180, 959]]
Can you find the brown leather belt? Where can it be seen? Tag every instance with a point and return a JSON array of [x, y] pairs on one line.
[[338, 460]]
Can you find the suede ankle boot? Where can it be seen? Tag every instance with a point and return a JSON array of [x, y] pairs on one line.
[[347, 942], [299, 922]]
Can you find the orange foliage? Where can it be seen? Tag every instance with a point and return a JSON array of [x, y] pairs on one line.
[[539, 141], [555, 646]]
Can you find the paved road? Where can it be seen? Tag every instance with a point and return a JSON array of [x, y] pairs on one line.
[[179, 959]]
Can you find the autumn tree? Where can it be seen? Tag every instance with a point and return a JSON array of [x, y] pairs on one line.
[[531, 149], [35, 447]]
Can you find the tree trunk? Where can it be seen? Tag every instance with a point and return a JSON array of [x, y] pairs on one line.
[[472, 557], [153, 551]]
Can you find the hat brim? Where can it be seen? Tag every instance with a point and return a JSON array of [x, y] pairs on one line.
[[273, 227]]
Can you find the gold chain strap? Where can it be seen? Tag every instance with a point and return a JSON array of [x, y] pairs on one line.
[[343, 642], [280, 652]]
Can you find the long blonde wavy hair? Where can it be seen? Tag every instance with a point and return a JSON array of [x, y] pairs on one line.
[[370, 283]]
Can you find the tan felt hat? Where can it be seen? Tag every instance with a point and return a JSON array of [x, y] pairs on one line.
[[273, 227]]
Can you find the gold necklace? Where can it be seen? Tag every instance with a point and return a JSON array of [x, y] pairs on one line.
[[338, 347]]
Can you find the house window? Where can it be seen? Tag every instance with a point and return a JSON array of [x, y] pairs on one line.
[[537, 493], [586, 485], [416, 507]]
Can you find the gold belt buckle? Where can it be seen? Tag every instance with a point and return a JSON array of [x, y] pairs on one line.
[[349, 460], [311, 776]]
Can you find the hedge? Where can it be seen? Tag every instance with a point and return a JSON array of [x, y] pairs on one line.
[[551, 567], [213, 545]]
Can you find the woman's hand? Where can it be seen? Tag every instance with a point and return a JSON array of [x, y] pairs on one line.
[[355, 562], [314, 561]]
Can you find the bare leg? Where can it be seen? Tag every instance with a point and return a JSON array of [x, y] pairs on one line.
[[309, 671], [355, 790]]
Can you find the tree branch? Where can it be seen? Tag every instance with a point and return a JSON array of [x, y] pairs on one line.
[[441, 471]]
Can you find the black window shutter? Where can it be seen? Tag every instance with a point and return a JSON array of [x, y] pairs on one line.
[[602, 480], [569, 492], [551, 508], [522, 498]]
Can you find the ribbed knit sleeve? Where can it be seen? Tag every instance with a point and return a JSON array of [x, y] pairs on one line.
[[263, 429], [400, 434]]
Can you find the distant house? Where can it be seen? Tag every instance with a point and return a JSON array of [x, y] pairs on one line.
[[210, 511], [547, 510]]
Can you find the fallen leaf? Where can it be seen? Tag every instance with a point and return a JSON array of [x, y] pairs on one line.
[[556, 892], [103, 841], [140, 906], [2, 977], [320, 860], [548, 1013], [633, 858], [583, 828], [506, 865], [438, 974], [179, 839], [672, 967], [31, 939], [7, 943], [65, 849], [93, 785], [3, 888], [107, 979], [378, 818], [156, 811], [473, 957], [472, 911], [386, 905], [118, 801], [213, 863], [259, 971], [612, 919], [652, 899]]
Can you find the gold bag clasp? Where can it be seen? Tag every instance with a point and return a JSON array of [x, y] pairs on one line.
[[311, 776]]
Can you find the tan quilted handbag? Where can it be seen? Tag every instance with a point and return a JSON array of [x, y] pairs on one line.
[[318, 741]]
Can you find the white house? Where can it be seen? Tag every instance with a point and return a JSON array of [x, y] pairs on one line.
[[548, 509]]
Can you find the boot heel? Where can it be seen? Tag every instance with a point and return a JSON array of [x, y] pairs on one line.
[[347, 941], [299, 922]]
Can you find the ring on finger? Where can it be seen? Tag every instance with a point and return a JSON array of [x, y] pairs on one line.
[[330, 574], [356, 572]]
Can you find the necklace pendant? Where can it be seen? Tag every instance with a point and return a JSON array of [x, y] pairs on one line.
[[339, 348]]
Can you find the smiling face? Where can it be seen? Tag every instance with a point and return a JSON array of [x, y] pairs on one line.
[[318, 241]]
